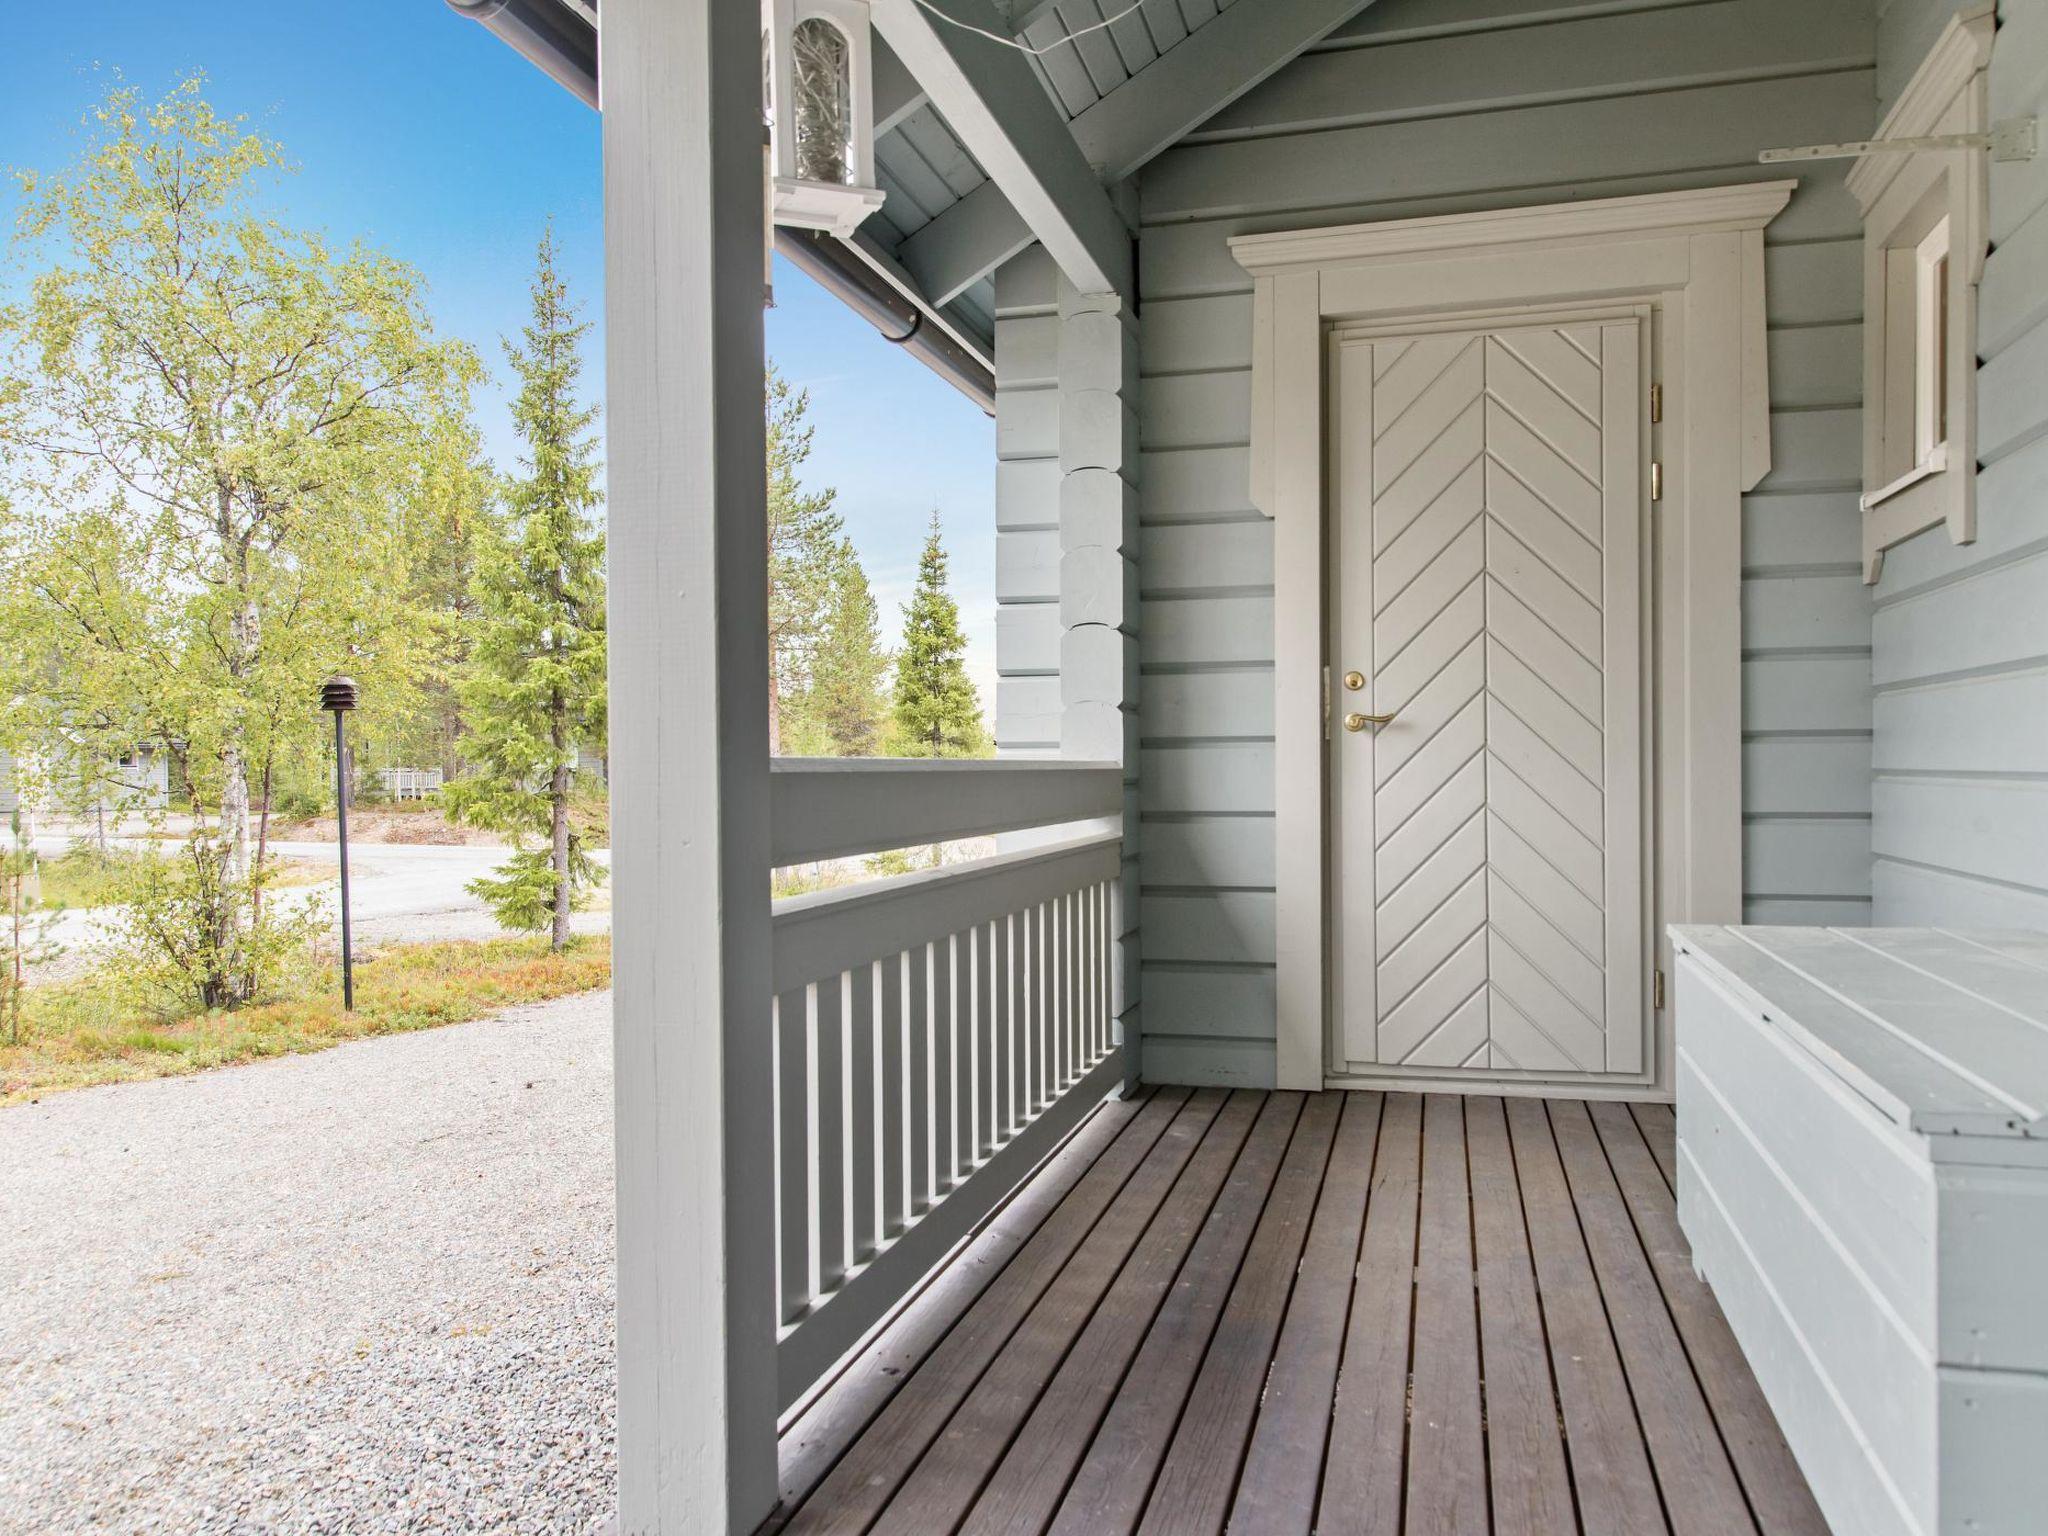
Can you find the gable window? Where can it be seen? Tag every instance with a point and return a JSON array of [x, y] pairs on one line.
[[1923, 251], [1914, 409], [1930, 349]]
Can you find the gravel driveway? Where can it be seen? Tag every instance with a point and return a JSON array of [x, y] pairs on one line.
[[364, 1290]]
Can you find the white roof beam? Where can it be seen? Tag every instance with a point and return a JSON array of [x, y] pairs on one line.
[[897, 93], [992, 100], [1186, 86], [964, 244]]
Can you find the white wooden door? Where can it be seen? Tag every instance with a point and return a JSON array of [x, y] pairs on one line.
[[1488, 839]]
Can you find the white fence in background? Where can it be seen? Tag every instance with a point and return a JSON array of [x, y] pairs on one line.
[[408, 783], [934, 1035]]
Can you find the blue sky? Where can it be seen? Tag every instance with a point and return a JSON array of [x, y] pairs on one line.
[[419, 133]]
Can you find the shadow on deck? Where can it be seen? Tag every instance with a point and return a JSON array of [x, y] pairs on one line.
[[1331, 1312]]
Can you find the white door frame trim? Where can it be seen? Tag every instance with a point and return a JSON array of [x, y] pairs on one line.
[[1697, 258]]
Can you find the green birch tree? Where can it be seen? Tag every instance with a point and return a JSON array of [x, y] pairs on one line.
[[208, 422], [937, 713], [533, 693]]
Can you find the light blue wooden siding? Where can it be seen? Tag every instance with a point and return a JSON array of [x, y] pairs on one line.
[[1961, 632], [1441, 106]]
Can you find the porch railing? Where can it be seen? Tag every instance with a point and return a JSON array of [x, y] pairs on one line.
[[935, 1034]]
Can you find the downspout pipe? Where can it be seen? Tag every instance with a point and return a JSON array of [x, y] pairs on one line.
[[561, 40]]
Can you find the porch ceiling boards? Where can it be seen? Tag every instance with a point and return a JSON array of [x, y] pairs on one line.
[[1333, 1312]]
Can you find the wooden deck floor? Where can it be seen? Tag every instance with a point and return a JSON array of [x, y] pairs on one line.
[[1330, 1312]]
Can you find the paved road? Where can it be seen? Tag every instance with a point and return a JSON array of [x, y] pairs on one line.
[[365, 1290], [411, 892]]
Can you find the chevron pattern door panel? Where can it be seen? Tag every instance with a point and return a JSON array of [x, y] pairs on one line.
[[1489, 857]]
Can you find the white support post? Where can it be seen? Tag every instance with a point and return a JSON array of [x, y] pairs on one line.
[[689, 733], [1097, 369]]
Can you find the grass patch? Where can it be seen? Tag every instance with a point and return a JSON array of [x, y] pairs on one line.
[[76, 1035]]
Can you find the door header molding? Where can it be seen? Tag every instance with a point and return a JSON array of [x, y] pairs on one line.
[[1696, 259], [1705, 210]]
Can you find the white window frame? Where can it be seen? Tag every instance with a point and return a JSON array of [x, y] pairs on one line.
[[1930, 333], [1922, 209]]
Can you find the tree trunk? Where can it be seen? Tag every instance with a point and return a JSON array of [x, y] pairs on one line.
[[558, 795], [232, 819], [262, 843]]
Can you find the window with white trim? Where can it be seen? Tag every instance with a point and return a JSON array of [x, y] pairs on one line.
[[1930, 346], [1923, 253], [1912, 436]]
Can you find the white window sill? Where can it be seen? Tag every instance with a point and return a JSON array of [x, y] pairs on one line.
[[1935, 463]]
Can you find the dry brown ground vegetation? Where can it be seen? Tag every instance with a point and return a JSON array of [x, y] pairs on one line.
[[79, 1034]]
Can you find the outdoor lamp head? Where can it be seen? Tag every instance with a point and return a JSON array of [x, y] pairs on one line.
[[338, 694]]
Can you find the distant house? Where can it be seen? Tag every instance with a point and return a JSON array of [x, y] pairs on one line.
[[10, 789], [142, 777]]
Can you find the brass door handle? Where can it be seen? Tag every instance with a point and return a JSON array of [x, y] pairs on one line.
[[1358, 722]]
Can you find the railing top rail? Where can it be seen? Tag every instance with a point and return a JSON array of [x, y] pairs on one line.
[[835, 807], [822, 933]]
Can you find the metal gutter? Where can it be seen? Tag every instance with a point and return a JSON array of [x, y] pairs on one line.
[[560, 38], [842, 271]]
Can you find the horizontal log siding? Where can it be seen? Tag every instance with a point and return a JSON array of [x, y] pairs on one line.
[[1027, 507], [1960, 636], [1440, 106]]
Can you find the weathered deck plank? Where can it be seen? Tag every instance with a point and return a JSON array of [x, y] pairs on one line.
[[1192, 1495], [1446, 1453], [1701, 1495], [1610, 1466], [1532, 1493], [1361, 1491], [1110, 1489], [824, 1430], [853, 1493], [1026, 1489], [1778, 1495], [1660, 1131], [1237, 1312], [939, 1493], [1277, 1494]]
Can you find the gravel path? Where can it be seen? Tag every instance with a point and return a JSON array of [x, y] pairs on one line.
[[365, 1290]]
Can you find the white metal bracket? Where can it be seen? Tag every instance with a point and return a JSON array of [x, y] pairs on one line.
[[2013, 138]]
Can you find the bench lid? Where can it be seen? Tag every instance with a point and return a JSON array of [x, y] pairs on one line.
[[1944, 1031]]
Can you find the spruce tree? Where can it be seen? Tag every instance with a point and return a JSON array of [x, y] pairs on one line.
[[847, 700], [937, 711], [534, 690]]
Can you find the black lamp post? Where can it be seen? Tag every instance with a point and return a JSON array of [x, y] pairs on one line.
[[338, 695]]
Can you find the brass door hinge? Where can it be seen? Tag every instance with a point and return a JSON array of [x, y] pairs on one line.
[[1656, 481], [1657, 991], [1656, 403]]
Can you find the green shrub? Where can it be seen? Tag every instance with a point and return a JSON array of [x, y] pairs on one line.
[[190, 933]]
